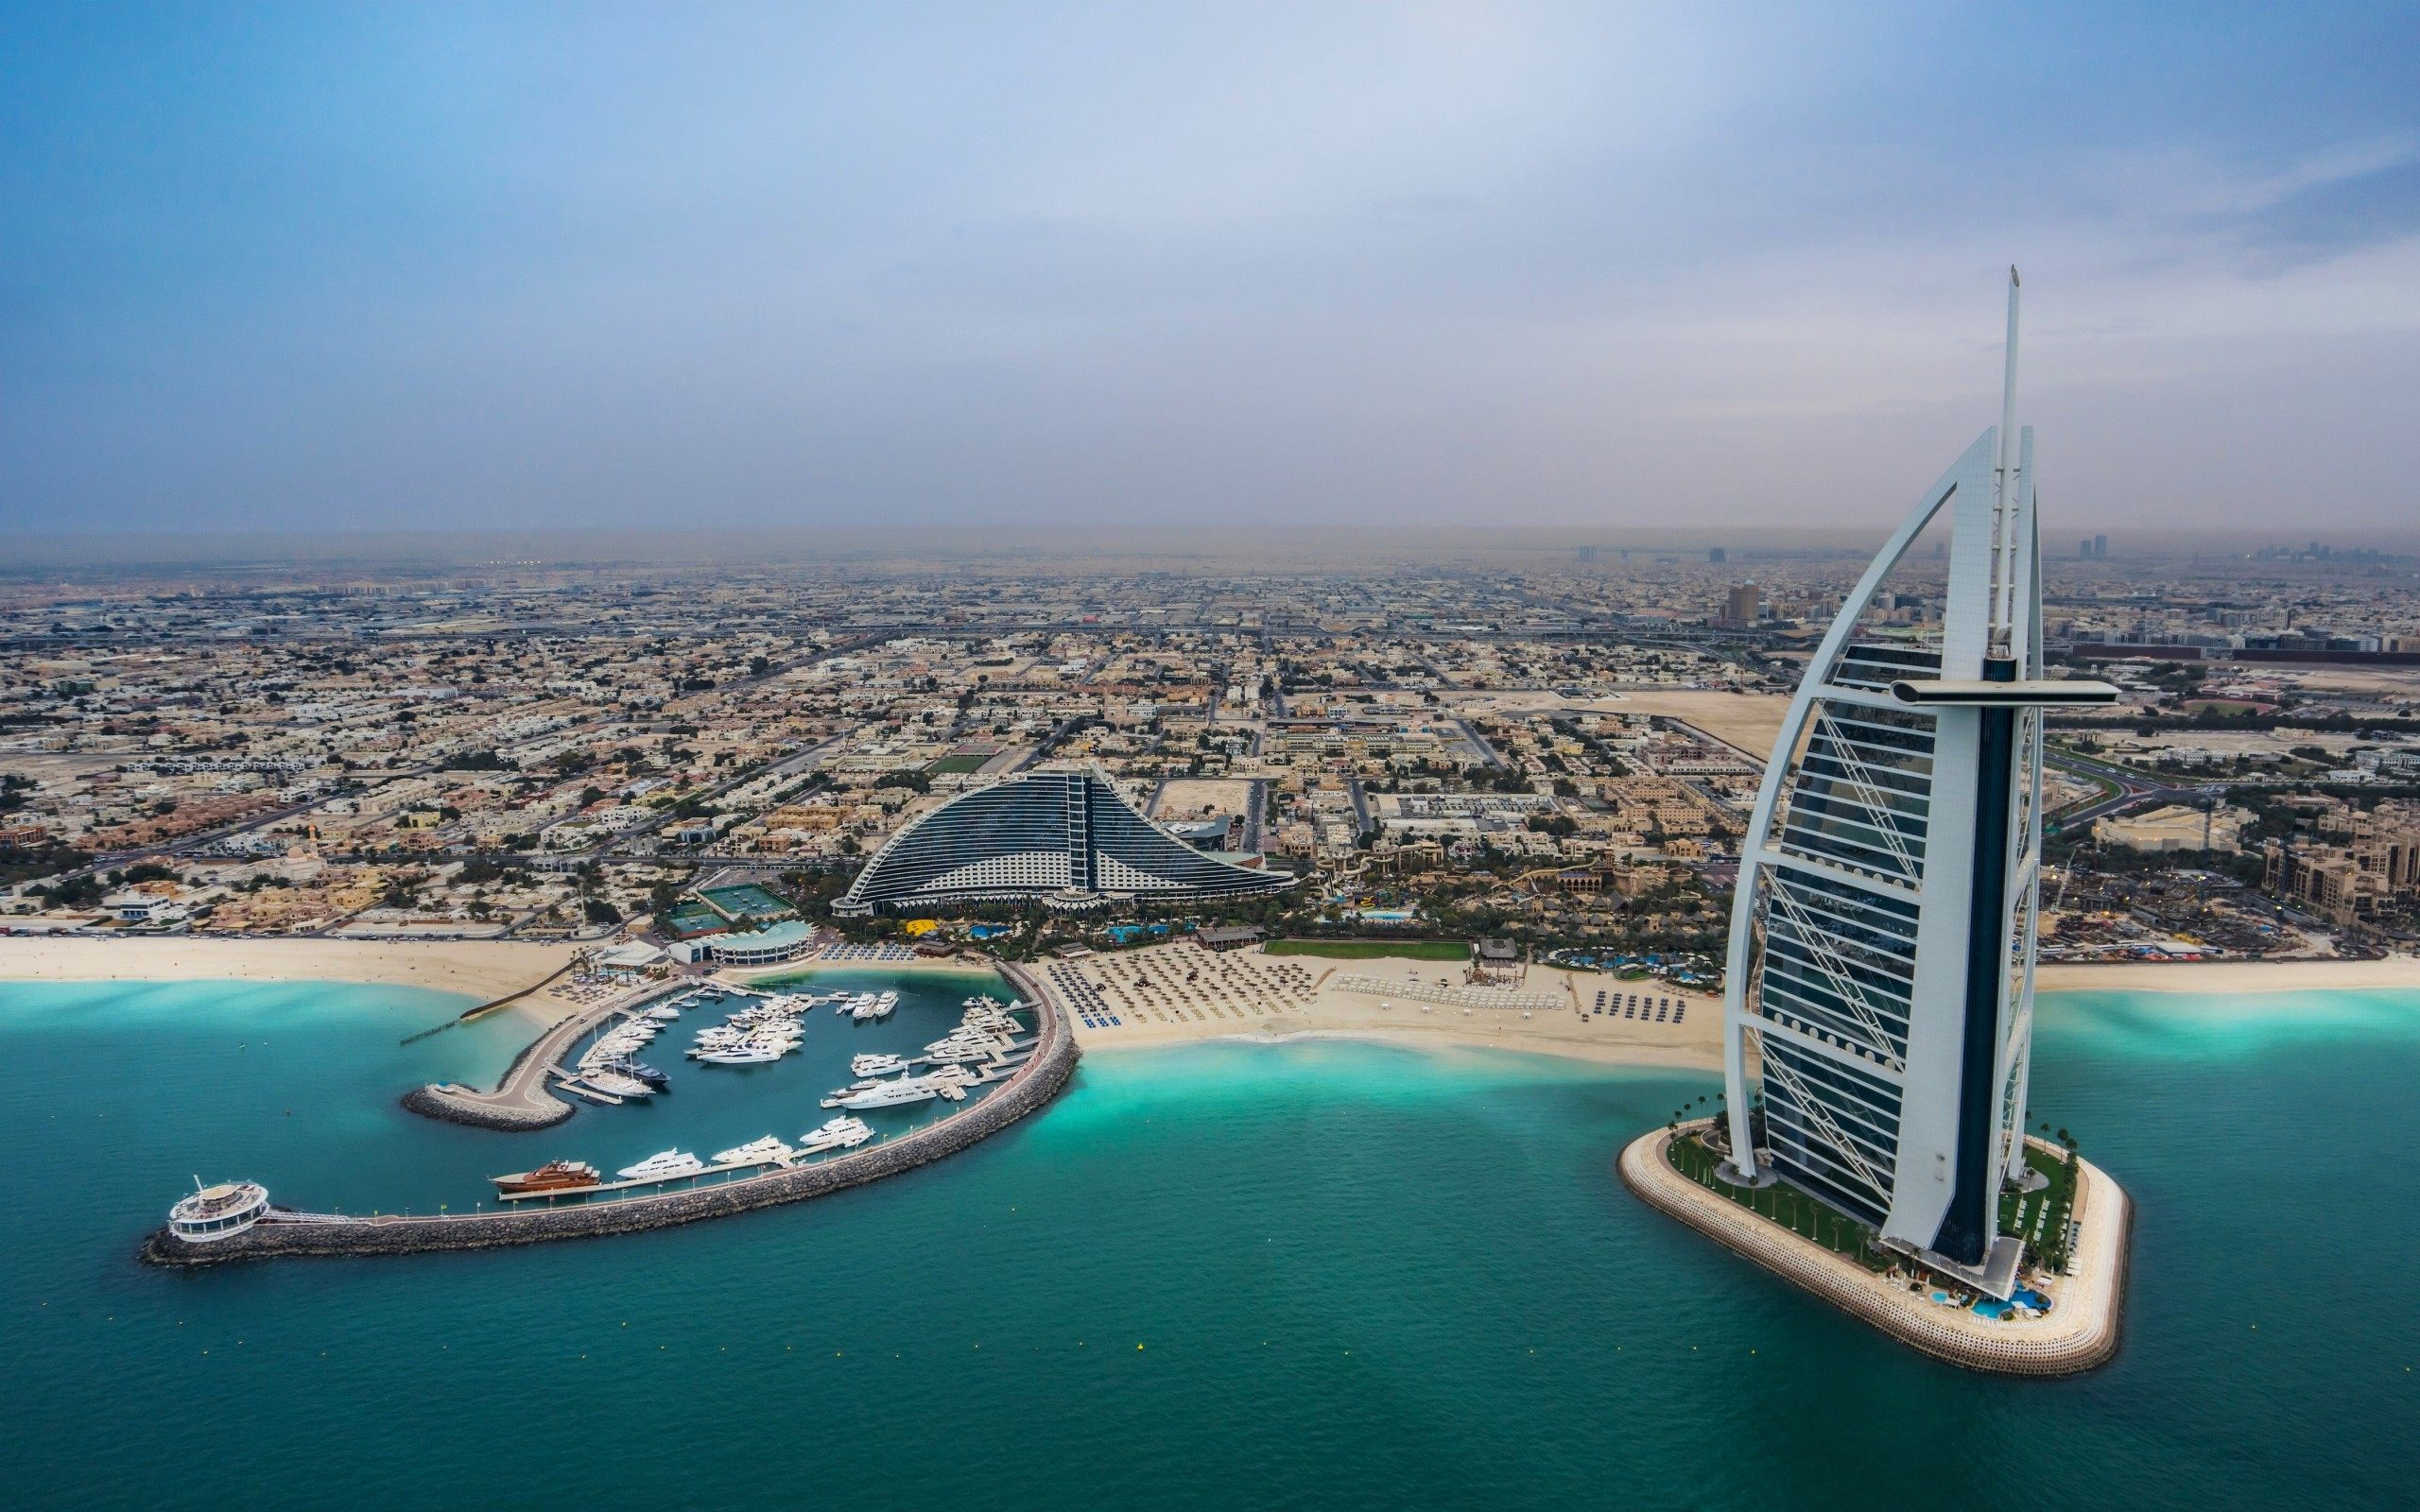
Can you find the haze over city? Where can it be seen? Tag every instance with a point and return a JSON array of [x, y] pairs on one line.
[[288, 268]]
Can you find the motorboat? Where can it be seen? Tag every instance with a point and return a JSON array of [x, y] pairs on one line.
[[876, 1065], [664, 1165]]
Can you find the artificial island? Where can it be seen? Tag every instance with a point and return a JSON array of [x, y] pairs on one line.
[[1883, 945]]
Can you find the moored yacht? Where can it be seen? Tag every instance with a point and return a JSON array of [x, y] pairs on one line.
[[756, 1152], [663, 1166], [876, 1065], [555, 1176], [885, 1093]]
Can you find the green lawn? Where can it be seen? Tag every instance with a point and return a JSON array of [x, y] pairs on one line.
[[2040, 1218], [949, 765], [1791, 1208], [1363, 949]]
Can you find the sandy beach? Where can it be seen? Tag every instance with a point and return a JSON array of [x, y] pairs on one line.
[[1163, 994], [2230, 976], [1178, 992], [480, 968], [1252, 995]]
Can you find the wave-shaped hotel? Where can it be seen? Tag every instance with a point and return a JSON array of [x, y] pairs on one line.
[[1881, 966], [1065, 838]]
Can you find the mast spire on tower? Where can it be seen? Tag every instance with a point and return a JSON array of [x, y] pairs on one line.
[[2006, 495]]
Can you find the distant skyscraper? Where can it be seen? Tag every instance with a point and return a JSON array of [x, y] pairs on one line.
[[1716, 555], [1587, 555], [2083, 550], [1882, 935], [2100, 546], [1740, 607]]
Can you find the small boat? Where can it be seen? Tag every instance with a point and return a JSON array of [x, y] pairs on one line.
[[663, 1165], [555, 1176], [876, 1065]]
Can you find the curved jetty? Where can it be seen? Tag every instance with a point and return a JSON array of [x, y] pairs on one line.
[[2080, 1332], [282, 1233], [523, 1101]]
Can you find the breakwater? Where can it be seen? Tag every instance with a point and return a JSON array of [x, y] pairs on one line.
[[2080, 1333], [521, 1101], [289, 1234]]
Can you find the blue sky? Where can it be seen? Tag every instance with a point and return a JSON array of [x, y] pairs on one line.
[[364, 266]]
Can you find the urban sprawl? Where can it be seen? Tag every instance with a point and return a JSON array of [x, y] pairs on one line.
[[1553, 751]]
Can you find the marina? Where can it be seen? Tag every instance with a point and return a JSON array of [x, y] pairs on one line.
[[568, 1197]]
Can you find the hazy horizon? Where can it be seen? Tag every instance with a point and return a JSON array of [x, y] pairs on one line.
[[273, 269]]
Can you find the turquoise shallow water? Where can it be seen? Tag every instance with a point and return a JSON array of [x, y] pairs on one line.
[[1361, 1277]]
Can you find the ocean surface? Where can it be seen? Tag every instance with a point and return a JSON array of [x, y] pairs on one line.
[[1321, 1275]]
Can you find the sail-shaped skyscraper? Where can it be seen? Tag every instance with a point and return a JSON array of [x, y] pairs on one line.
[[1882, 937]]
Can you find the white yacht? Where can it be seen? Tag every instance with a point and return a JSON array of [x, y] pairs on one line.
[[766, 1151], [870, 1007], [755, 1053], [843, 1133], [663, 1166], [876, 1065], [886, 1093], [664, 1013], [617, 1084]]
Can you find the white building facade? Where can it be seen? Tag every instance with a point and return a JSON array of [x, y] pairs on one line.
[[1882, 937]]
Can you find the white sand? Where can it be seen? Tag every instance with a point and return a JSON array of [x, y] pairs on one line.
[[2230, 976], [1241, 994], [480, 968], [1249, 999], [1249, 994]]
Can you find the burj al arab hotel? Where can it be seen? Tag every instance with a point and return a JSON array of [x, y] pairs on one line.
[[1882, 937]]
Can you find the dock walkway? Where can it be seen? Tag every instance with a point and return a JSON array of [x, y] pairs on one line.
[[523, 1100]]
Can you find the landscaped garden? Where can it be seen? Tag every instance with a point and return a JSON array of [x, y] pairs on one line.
[[1785, 1205], [1364, 950], [2040, 1218]]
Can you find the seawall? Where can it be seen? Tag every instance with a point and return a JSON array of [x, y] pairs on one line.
[[288, 1234], [2080, 1333]]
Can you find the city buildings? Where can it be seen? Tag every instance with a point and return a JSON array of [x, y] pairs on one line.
[[1065, 838], [2357, 867]]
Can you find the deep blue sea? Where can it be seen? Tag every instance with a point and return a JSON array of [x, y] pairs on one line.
[[1321, 1275]]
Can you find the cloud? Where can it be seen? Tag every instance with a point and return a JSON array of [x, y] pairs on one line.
[[1157, 265]]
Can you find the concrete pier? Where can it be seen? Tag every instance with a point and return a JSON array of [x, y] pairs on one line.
[[523, 1101], [2080, 1332], [286, 1233]]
